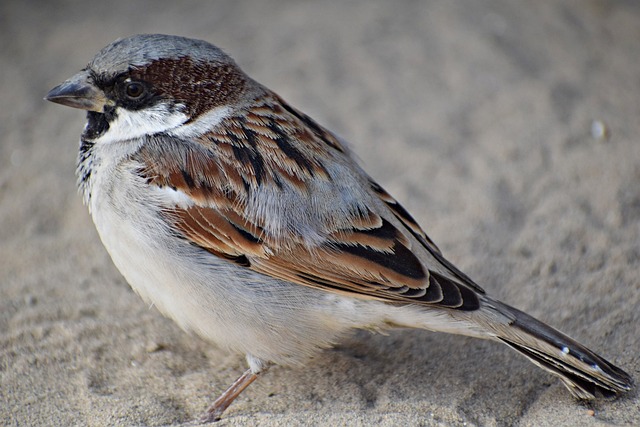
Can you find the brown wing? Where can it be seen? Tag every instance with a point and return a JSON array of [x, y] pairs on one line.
[[365, 255], [412, 226]]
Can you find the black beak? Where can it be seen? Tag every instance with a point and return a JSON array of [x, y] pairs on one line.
[[78, 92]]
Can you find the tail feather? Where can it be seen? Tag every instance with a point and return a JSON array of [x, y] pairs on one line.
[[583, 372]]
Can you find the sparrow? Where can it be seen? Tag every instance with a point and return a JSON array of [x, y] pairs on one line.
[[248, 223]]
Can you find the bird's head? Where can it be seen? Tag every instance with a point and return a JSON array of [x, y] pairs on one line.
[[151, 83]]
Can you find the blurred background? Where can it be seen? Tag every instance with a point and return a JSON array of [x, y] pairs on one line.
[[508, 129]]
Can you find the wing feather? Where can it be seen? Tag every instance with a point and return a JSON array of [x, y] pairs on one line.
[[365, 255]]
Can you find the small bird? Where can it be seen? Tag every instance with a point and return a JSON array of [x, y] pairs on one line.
[[249, 224]]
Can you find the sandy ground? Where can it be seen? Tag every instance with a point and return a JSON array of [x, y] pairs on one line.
[[510, 131]]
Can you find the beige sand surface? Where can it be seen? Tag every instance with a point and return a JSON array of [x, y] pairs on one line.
[[477, 116]]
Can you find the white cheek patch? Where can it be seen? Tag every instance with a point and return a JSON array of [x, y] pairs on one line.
[[135, 124], [203, 124], [149, 121]]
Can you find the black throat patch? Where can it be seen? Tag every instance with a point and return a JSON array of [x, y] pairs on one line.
[[98, 123]]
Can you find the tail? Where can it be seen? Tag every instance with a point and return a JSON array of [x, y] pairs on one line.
[[583, 372]]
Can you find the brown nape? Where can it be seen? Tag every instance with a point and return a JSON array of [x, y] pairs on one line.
[[201, 86]]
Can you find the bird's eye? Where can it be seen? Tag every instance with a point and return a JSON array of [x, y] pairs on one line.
[[134, 90]]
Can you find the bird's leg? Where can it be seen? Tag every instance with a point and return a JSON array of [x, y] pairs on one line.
[[214, 412]]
